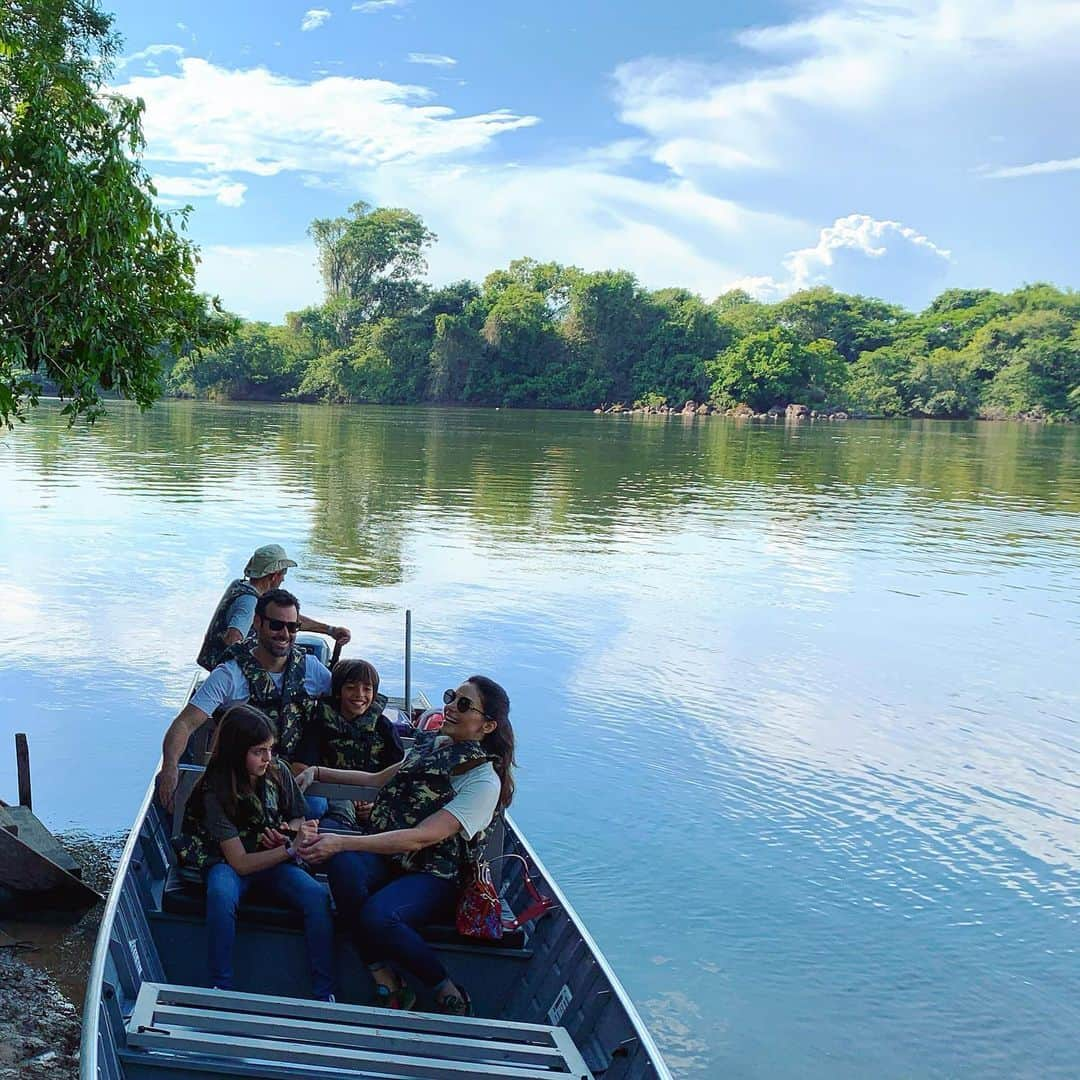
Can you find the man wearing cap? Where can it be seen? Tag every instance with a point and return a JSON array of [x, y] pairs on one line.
[[232, 619]]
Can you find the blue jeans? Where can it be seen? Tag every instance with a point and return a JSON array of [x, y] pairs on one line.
[[384, 910], [315, 806], [287, 884]]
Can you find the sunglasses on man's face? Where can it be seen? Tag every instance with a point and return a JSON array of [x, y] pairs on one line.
[[284, 624], [463, 704]]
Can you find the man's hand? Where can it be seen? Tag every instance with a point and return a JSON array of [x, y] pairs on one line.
[[323, 847], [305, 779], [167, 780], [341, 634]]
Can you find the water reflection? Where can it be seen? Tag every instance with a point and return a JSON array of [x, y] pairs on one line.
[[796, 704]]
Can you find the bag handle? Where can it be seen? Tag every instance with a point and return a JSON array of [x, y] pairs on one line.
[[540, 904]]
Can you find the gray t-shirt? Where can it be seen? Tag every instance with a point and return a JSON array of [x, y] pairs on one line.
[[221, 827], [226, 685], [241, 613]]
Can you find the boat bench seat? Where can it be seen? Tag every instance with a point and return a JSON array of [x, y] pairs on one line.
[[185, 894], [255, 1035]]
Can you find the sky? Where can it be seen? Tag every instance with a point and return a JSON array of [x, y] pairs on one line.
[[892, 149]]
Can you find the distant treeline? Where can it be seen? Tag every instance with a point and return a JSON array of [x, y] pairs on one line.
[[551, 336]]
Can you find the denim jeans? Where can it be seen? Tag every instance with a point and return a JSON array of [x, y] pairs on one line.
[[384, 909], [315, 806], [288, 885]]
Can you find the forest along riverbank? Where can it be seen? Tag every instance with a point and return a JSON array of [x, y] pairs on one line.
[[44, 965]]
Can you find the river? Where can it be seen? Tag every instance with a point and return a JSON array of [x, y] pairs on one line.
[[796, 705]]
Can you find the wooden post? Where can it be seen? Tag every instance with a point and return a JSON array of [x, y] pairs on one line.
[[22, 761]]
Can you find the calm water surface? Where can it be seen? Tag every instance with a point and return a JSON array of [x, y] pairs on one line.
[[797, 707]]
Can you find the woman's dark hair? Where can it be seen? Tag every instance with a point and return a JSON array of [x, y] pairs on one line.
[[242, 726], [358, 671], [500, 742]]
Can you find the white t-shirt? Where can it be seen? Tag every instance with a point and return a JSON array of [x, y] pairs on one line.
[[476, 796], [226, 685]]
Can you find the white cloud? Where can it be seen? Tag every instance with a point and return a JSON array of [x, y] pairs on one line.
[[853, 252], [856, 232], [257, 122], [226, 191], [375, 7], [876, 68], [431, 59], [314, 18], [148, 53], [1036, 168]]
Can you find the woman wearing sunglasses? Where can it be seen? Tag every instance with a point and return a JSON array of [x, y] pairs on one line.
[[409, 870]]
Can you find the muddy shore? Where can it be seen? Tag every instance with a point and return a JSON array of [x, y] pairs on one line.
[[44, 963]]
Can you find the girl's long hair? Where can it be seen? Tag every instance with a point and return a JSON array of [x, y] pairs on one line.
[[242, 726], [500, 742]]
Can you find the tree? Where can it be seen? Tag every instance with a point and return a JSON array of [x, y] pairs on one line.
[[773, 367], [97, 286], [371, 262]]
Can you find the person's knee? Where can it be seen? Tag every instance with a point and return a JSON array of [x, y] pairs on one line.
[[222, 892]]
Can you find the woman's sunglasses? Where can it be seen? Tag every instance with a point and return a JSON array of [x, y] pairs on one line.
[[464, 704]]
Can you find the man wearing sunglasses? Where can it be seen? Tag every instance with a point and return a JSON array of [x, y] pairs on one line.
[[233, 618], [270, 672]]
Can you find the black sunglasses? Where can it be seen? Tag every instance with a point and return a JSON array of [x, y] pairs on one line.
[[464, 704], [284, 624]]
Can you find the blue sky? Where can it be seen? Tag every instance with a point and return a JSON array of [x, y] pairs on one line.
[[894, 149]]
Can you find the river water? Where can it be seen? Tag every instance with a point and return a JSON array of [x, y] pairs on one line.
[[796, 705]]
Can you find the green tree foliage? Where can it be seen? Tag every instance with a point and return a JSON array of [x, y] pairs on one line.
[[371, 261], [546, 335], [773, 367], [260, 362], [97, 286]]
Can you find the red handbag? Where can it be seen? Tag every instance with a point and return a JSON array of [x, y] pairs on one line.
[[480, 913]]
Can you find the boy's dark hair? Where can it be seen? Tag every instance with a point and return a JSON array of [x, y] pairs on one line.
[[346, 671], [279, 597]]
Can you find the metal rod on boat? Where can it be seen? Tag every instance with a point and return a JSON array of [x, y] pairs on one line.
[[408, 664], [22, 764]]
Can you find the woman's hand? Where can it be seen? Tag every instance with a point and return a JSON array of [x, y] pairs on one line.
[[307, 832], [363, 810], [322, 847], [305, 779], [271, 838]]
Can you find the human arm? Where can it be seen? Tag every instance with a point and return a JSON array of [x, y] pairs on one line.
[[340, 634], [433, 829], [187, 721], [239, 618], [251, 862], [321, 774]]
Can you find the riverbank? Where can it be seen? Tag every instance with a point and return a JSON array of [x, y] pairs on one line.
[[43, 970]]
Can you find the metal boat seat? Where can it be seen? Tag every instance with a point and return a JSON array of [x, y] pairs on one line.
[[234, 1034], [185, 894]]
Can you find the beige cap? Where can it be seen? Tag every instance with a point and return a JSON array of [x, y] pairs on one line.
[[268, 559]]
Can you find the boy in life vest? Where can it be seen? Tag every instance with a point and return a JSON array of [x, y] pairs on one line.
[[349, 731], [241, 828]]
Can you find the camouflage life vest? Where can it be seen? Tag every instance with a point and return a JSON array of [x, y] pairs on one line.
[[213, 647], [196, 849], [290, 707], [420, 788], [360, 743]]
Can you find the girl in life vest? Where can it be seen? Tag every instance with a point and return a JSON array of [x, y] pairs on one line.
[[408, 871], [241, 828]]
